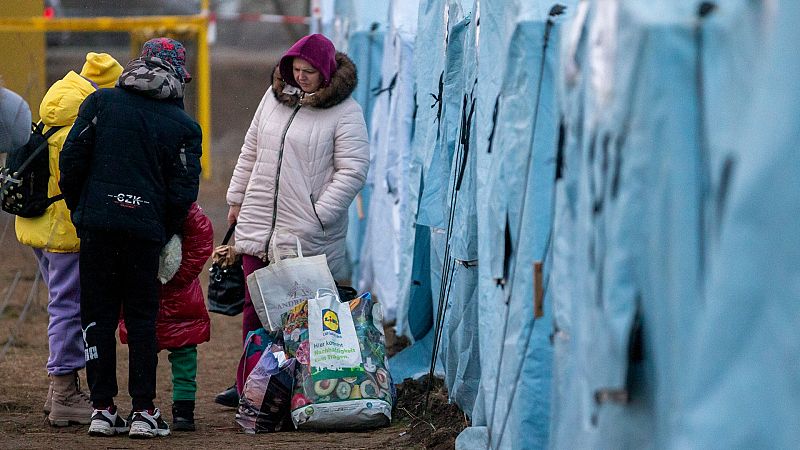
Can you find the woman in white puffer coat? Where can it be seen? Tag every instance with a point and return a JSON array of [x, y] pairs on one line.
[[304, 159]]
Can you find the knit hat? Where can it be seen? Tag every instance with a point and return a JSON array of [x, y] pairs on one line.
[[318, 51], [15, 121], [102, 69], [170, 51]]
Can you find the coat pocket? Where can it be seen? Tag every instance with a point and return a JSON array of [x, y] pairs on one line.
[[314, 208]]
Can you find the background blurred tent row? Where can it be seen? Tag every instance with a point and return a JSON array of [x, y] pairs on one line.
[[588, 210]]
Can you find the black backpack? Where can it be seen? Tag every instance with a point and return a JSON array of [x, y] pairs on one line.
[[24, 179]]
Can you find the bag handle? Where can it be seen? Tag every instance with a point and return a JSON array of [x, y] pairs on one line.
[[229, 234], [275, 253], [331, 292]]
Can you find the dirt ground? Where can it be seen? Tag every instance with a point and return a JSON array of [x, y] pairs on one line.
[[239, 81]]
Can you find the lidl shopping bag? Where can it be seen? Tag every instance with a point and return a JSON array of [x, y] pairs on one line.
[[361, 400], [264, 403], [286, 282], [334, 350]]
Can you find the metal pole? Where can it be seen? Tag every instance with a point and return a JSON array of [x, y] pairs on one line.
[[204, 90]]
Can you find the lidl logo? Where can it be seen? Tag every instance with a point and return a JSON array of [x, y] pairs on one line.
[[330, 321]]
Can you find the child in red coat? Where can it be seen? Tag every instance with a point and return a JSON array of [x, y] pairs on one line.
[[183, 320]]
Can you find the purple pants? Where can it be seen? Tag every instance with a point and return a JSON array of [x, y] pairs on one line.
[[250, 320], [62, 278]]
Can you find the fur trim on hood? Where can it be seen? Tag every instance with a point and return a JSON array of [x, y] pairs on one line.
[[343, 83]]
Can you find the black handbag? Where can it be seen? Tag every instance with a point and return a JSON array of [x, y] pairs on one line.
[[346, 293], [226, 285]]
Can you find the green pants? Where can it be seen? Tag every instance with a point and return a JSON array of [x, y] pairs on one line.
[[184, 372]]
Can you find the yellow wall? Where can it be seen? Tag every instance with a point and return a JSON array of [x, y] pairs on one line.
[[22, 51], [22, 55]]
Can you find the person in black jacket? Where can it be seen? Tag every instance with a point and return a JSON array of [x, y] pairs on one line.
[[129, 173]]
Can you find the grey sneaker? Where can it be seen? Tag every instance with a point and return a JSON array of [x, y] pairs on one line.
[[148, 424], [106, 422]]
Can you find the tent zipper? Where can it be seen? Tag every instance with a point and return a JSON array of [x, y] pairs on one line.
[[494, 123], [703, 171]]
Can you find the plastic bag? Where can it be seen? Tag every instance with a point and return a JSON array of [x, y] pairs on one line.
[[265, 400], [256, 343]]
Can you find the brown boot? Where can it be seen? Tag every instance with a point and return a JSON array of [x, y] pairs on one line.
[[70, 404], [48, 402]]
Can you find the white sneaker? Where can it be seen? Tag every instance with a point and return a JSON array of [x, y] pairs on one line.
[[107, 423], [145, 425]]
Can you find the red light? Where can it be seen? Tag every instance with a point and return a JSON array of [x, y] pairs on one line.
[[49, 12]]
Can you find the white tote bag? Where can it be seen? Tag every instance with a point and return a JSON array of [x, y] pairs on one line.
[[284, 283]]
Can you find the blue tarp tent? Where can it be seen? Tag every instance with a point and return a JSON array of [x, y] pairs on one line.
[[646, 118], [390, 143], [744, 390], [340, 20], [438, 69], [414, 302], [454, 241], [631, 201], [365, 48], [602, 215]]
